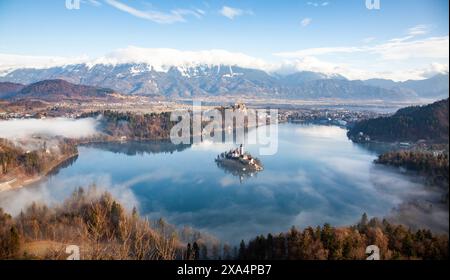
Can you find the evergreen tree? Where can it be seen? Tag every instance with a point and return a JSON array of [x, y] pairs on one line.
[[362, 226], [188, 252], [14, 241], [196, 250], [242, 254]]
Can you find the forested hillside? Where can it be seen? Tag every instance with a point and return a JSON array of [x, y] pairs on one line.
[[134, 126], [410, 124], [330, 243], [103, 229], [16, 160]]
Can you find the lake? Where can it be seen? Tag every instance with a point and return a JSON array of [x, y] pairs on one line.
[[317, 176]]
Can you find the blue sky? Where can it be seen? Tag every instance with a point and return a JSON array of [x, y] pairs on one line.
[[331, 34]]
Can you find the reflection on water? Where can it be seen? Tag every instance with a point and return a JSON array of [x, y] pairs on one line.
[[133, 148], [241, 173], [318, 176], [67, 163]]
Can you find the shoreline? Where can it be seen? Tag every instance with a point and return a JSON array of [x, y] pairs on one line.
[[22, 182]]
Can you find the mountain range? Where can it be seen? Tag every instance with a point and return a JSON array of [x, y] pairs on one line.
[[220, 80], [435, 87]]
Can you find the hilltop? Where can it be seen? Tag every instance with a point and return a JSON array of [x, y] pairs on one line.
[[54, 91], [7, 89], [410, 124]]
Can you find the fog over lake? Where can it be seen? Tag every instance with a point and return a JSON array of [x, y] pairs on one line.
[[65, 127], [318, 176]]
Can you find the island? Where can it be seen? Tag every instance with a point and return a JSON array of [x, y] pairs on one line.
[[239, 160]]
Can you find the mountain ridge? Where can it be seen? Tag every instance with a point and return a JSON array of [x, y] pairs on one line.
[[8, 88], [217, 80], [436, 86], [57, 90]]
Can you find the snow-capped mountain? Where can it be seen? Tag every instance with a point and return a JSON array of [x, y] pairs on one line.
[[145, 79], [213, 80], [176, 73]]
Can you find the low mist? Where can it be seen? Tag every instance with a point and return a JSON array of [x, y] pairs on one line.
[[68, 128]]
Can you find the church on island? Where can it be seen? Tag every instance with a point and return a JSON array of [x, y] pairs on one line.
[[239, 155]]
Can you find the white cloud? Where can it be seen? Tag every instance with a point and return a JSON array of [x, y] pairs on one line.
[[306, 21], [318, 4], [398, 59], [359, 72], [310, 63], [394, 49], [200, 11], [317, 51], [433, 47], [404, 74], [9, 62], [420, 29], [434, 69], [162, 59], [230, 12], [314, 4], [411, 33], [177, 15], [95, 3]]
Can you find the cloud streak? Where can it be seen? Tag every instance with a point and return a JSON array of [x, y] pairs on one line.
[[400, 59], [318, 4], [174, 16], [420, 29], [434, 47], [94, 3], [232, 13]]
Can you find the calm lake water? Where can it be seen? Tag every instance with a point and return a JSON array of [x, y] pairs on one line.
[[318, 176]]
